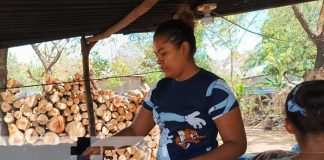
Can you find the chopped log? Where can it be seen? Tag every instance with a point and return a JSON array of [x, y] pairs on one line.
[[56, 124], [129, 116], [31, 135], [115, 115], [83, 107], [77, 117], [49, 106], [53, 112], [132, 108], [16, 137], [131, 150], [100, 99], [33, 117], [51, 138], [106, 116], [41, 108], [69, 103], [17, 114], [60, 105], [76, 101], [31, 101], [113, 122], [9, 118], [42, 119], [121, 118], [48, 89], [5, 107], [75, 129], [26, 111], [117, 101], [23, 123], [67, 86], [121, 110], [99, 112], [19, 103], [85, 122], [121, 125], [75, 109], [99, 126], [7, 97], [121, 151], [61, 89], [69, 118], [11, 83], [128, 123], [85, 115], [77, 76], [67, 112], [55, 97], [40, 130], [104, 130]]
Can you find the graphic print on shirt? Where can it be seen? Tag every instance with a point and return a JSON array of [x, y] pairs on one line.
[[227, 103], [186, 137], [159, 119]]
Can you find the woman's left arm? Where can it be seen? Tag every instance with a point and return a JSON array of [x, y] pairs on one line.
[[231, 130]]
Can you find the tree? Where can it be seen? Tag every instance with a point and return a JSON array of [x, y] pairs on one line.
[[226, 36], [3, 85], [288, 53], [48, 53], [316, 35]]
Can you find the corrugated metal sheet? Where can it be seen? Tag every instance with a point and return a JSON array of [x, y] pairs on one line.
[[31, 21]]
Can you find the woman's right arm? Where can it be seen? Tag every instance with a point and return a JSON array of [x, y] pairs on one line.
[[141, 126]]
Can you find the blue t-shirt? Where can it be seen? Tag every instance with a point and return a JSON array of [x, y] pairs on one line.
[[185, 112]]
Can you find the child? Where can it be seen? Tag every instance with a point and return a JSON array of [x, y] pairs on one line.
[[305, 119]]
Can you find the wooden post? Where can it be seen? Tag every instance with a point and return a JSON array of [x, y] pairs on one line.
[[3, 84], [85, 49]]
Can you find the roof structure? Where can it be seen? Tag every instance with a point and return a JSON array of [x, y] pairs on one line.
[[33, 21]]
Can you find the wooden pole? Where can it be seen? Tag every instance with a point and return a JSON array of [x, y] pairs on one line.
[[3, 84], [85, 49]]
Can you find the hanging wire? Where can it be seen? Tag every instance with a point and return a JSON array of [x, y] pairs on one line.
[[96, 79], [263, 35]]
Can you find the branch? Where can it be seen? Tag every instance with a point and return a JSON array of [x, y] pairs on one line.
[[320, 23], [303, 22], [132, 16], [39, 54], [32, 77]]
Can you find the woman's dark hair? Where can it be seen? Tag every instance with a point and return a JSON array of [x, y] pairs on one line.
[[308, 116], [179, 30]]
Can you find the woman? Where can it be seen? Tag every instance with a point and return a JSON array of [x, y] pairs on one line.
[[190, 105]]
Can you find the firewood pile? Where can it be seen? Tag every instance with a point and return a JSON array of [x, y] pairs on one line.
[[59, 115]]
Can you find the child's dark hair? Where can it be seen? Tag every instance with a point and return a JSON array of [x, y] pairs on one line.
[[179, 30], [305, 107]]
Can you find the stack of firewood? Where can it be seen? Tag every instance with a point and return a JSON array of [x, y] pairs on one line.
[[59, 115]]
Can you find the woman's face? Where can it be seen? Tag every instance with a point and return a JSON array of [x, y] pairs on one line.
[[171, 60]]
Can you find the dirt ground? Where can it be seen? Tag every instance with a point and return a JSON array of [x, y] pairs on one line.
[[260, 140]]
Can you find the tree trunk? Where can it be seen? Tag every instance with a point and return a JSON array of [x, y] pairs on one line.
[[3, 83], [320, 53], [85, 49]]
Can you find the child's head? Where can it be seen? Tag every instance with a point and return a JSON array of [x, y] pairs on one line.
[[175, 43], [305, 109]]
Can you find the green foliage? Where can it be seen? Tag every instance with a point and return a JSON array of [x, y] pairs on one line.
[[99, 65], [281, 57]]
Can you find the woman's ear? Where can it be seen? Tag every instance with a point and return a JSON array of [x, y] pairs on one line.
[[185, 48], [289, 126]]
